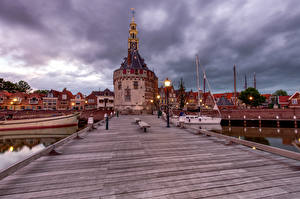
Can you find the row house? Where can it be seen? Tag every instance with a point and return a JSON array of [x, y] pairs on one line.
[[53, 100], [21, 101], [294, 100], [102, 100], [173, 102]]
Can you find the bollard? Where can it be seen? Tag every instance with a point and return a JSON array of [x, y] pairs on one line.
[[91, 122], [106, 121], [278, 123]]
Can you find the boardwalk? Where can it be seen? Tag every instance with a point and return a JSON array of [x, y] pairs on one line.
[[125, 162]]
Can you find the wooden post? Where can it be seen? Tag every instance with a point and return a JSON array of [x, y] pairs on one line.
[[278, 123], [295, 121], [245, 122], [259, 121], [229, 121]]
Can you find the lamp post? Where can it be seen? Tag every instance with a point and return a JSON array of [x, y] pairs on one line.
[[167, 85], [158, 108]]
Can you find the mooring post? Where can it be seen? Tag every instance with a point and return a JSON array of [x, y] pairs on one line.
[[106, 121], [245, 122], [229, 121], [259, 121], [278, 123], [91, 122], [295, 121]]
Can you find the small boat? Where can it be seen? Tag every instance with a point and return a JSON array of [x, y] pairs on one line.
[[38, 123], [194, 119]]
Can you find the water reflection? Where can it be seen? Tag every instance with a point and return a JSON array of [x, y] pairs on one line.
[[277, 137], [285, 138], [17, 146]]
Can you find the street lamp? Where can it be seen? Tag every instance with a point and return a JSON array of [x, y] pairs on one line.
[[167, 85], [250, 98]]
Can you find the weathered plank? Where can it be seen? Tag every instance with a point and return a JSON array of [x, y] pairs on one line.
[[168, 163]]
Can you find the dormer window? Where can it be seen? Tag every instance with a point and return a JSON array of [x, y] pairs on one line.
[[77, 96], [64, 96]]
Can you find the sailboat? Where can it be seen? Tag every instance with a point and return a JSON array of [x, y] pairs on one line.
[[201, 119]]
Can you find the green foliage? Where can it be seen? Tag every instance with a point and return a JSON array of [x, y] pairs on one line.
[[41, 91], [9, 86], [23, 86], [251, 97], [280, 92], [181, 94]]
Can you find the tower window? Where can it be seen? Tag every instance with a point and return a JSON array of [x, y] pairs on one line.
[[127, 95], [132, 27], [135, 85], [132, 35]]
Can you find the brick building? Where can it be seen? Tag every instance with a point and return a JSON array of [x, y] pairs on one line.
[[135, 85]]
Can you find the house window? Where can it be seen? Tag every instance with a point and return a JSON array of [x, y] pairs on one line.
[[127, 95], [119, 85], [135, 85], [64, 96], [294, 101], [90, 100], [78, 97]]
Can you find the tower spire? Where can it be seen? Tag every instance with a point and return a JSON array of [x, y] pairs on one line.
[[133, 12], [133, 41]]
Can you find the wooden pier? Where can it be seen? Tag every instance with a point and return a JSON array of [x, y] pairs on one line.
[[125, 162]]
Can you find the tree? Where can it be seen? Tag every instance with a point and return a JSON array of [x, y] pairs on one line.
[[280, 92], [42, 91], [251, 97], [181, 94], [9, 86], [23, 86]]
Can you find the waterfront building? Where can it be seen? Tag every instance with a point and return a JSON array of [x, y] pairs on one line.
[[135, 85], [105, 99], [294, 100], [50, 101], [91, 102], [64, 99], [78, 102], [173, 103]]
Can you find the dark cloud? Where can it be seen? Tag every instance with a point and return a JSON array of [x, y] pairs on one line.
[[88, 40]]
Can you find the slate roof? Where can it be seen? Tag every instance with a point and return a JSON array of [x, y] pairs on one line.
[[134, 61]]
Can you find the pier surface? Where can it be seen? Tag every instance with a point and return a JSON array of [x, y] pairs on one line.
[[125, 162]]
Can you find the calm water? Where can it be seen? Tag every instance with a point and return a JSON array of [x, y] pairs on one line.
[[20, 144], [276, 137]]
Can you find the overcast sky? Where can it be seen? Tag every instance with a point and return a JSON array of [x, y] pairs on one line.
[[78, 44]]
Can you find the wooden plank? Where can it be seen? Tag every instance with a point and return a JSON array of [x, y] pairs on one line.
[[168, 163]]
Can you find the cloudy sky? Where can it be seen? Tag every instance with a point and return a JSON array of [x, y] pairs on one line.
[[78, 44]]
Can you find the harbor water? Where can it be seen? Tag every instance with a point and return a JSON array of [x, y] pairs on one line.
[[276, 137], [20, 144]]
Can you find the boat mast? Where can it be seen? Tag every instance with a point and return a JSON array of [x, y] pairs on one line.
[[215, 103], [198, 84]]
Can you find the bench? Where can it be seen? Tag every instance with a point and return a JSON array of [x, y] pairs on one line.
[[144, 125], [137, 120]]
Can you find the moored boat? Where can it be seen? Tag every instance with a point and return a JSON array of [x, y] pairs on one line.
[[39, 123], [194, 119]]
